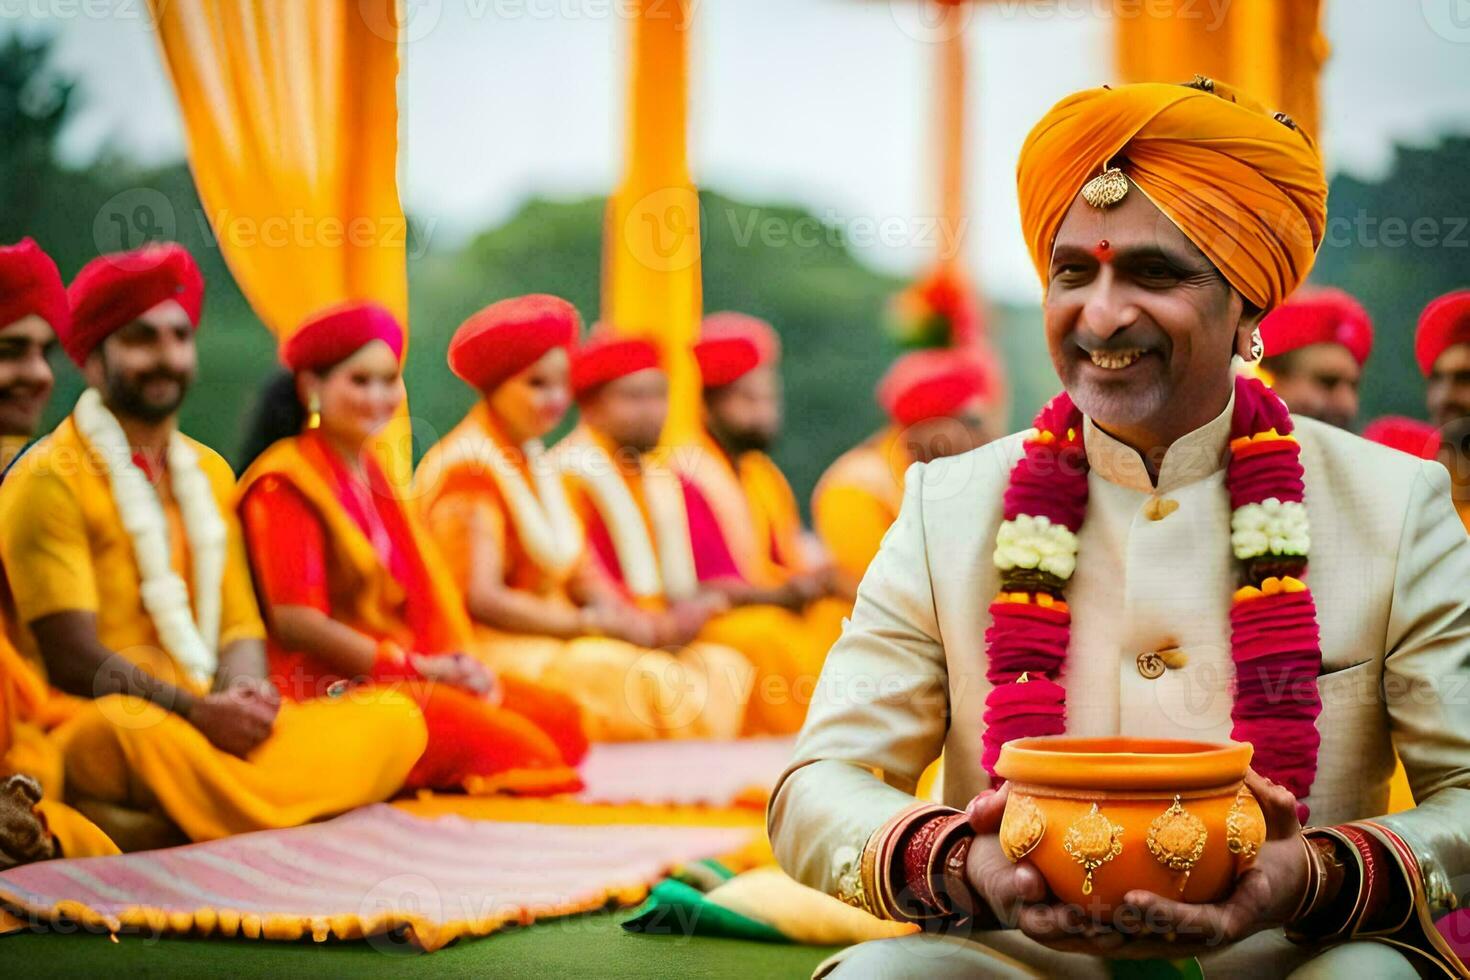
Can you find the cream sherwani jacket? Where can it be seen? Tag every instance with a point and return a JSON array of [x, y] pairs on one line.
[[1390, 571]]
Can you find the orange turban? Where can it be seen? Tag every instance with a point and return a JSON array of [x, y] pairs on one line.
[[1245, 186]]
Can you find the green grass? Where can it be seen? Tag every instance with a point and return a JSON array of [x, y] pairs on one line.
[[586, 945]]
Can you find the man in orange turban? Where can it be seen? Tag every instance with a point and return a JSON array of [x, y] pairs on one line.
[[1317, 343], [1132, 569]]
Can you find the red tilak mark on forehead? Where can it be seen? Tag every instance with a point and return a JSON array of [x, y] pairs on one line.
[[1103, 251]]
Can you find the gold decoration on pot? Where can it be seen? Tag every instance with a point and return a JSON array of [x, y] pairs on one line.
[[1176, 839], [1245, 826], [1092, 841], [1021, 827]]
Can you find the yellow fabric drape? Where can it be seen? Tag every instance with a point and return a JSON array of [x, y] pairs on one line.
[[651, 276], [291, 115], [290, 109], [1272, 49]]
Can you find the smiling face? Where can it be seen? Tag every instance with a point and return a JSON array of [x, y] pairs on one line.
[[25, 374], [358, 396], [533, 402], [1140, 325]]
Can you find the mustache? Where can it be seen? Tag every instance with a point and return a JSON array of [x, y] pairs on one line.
[[162, 374], [1125, 341]]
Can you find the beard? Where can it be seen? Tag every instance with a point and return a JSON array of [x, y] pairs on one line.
[[1131, 403], [739, 441], [129, 395]]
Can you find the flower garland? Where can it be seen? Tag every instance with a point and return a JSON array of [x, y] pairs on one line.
[[193, 644], [544, 520], [1275, 642]]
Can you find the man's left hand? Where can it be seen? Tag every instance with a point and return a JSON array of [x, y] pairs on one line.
[[1265, 895]]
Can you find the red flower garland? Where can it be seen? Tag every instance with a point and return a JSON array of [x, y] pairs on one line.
[[1275, 643]]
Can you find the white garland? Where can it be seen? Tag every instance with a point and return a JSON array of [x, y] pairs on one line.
[[1270, 527], [193, 645], [670, 574], [544, 520], [1035, 542]]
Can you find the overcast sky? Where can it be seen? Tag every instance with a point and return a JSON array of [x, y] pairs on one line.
[[822, 103]]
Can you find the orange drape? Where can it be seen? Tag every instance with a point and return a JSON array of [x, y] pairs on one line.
[[1272, 49], [291, 115], [290, 109], [651, 284]]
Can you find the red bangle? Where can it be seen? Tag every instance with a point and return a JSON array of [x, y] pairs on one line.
[[916, 857]]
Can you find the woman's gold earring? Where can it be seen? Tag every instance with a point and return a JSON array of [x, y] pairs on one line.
[[313, 411], [1258, 346]]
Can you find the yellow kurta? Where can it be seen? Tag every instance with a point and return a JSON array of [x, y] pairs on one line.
[[64, 548], [627, 692], [777, 643], [857, 500]]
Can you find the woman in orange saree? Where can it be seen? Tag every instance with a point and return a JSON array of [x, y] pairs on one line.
[[351, 586]]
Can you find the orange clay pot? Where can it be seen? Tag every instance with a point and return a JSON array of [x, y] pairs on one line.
[[1100, 817]]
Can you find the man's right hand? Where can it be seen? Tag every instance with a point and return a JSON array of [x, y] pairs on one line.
[[1016, 893], [234, 721]]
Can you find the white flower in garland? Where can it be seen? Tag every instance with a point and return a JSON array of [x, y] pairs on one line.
[[1035, 542], [1272, 527]]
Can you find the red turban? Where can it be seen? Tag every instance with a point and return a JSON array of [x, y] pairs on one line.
[[1443, 324], [607, 357], [931, 384], [1319, 316], [30, 284], [113, 290], [507, 337], [338, 332], [1245, 186], [1407, 435], [731, 345]]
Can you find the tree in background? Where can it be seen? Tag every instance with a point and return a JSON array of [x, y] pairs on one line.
[[781, 263]]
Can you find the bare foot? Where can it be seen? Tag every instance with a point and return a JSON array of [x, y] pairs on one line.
[[23, 834]]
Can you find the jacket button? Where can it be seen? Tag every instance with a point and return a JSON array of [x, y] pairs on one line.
[[1152, 664], [1159, 508]]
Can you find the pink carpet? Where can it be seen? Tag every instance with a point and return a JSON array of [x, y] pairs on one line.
[[366, 873], [685, 773]]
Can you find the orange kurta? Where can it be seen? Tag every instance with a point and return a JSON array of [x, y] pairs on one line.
[[529, 743], [64, 548], [627, 692], [780, 645]]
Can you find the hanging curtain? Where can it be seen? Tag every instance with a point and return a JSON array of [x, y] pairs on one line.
[[651, 246], [1273, 49], [291, 116]]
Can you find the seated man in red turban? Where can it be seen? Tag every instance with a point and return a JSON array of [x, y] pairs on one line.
[[1316, 344], [32, 309], [1135, 565], [132, 591], [939, 403], [1442, 348]]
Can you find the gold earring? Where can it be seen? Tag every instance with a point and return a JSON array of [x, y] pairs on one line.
[[1258, 346], [313, 411]]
